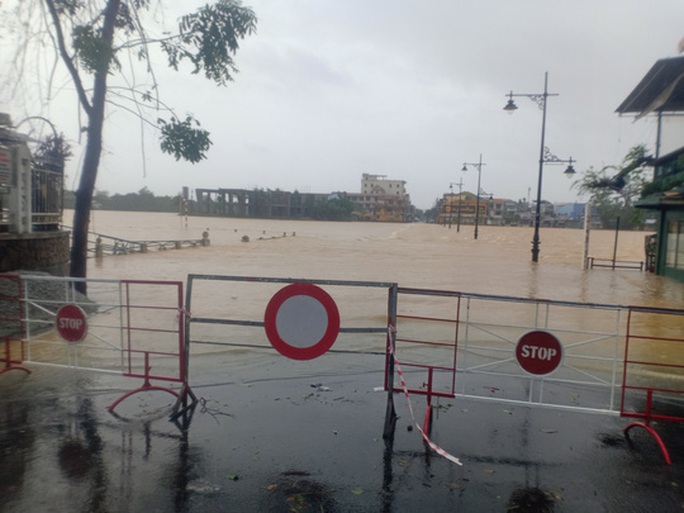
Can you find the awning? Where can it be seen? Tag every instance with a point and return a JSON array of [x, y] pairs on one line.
[[661, 90]]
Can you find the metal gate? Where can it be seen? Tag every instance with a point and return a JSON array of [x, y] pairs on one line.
[[134, 328], [461, 344], [239, 302], [653, 372]]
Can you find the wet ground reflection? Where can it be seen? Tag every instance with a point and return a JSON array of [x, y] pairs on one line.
[[282, 446], [16, 445]]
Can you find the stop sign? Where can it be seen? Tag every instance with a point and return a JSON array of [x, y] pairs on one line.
[[539, 352], [71, 323]]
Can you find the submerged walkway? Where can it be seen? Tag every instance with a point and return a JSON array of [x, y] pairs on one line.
[[102, 244]]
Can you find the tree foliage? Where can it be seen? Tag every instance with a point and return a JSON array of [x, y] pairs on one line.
[[184, 139], [334, 209], [209, 38], [613, 190], [52, 152], [92, 39]]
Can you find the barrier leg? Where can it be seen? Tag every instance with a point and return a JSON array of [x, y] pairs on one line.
[[181, 407], [12, 364], [647, 426], [655, 435], [427, 422], [146, 387], [390, 418], [390, 412]]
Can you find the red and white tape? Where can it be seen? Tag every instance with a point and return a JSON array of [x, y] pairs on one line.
[[430, 443]]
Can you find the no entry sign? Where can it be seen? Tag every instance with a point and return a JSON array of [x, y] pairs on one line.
[[71, 323], [539, 352], [301, 321]]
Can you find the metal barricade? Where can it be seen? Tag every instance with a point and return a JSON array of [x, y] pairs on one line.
[[13, 351], [229, 312], [455, 343], [653, 373], [131, 327], [612, 359], [216, 302]]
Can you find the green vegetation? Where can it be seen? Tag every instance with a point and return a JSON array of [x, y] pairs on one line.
[[333, 209], [141, 201], [106, 46], [613, 190]]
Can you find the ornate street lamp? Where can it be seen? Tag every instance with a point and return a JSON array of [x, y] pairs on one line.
[[478, 165], [544, 154]]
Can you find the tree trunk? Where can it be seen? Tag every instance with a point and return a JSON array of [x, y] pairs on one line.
[[91, 160], [84, 198]]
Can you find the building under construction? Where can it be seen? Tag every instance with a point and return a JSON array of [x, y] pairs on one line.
[[380, 200]]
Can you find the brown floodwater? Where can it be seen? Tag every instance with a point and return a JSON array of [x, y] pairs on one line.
[[413, 255], [270, 434]]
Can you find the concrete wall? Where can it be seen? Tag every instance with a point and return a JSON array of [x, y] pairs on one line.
[[46, 252]]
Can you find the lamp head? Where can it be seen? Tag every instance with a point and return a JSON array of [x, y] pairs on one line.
[[465, 167], [510, 107], [570, 171]]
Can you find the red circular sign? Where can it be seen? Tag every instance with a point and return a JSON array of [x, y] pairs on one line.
[[71, 323], [539, 352], [301, 321]]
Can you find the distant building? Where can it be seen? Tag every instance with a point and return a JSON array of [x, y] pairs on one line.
[[274, 204], [570, 214], [382, 199], [462, 208], [379, 185]]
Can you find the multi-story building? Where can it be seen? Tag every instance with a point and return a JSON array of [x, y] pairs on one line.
[[382, 199]]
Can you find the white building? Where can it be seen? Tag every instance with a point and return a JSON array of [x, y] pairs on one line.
[[379, 185]]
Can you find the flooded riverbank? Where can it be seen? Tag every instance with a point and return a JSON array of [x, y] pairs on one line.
[[413, 255]]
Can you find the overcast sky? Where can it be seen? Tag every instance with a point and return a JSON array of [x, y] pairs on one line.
[[328, 90]]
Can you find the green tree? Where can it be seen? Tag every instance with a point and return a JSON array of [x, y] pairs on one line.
[[92, 39], [613, 190], [334, 209]]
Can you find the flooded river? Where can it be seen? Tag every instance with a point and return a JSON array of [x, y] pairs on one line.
[[413, 255]]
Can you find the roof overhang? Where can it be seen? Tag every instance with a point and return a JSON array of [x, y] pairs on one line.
[[661, 90]]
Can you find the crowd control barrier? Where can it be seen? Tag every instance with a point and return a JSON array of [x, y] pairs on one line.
[[653, 371], [585, 357], [130, 327], [598, 358]]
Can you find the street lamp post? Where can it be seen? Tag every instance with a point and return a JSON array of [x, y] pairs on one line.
[[460, 197], [478, 165], [544, 154]]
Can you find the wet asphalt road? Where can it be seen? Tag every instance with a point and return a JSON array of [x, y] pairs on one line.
[[284, 438]]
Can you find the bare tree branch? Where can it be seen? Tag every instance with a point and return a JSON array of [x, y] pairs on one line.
[[68, 62]]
